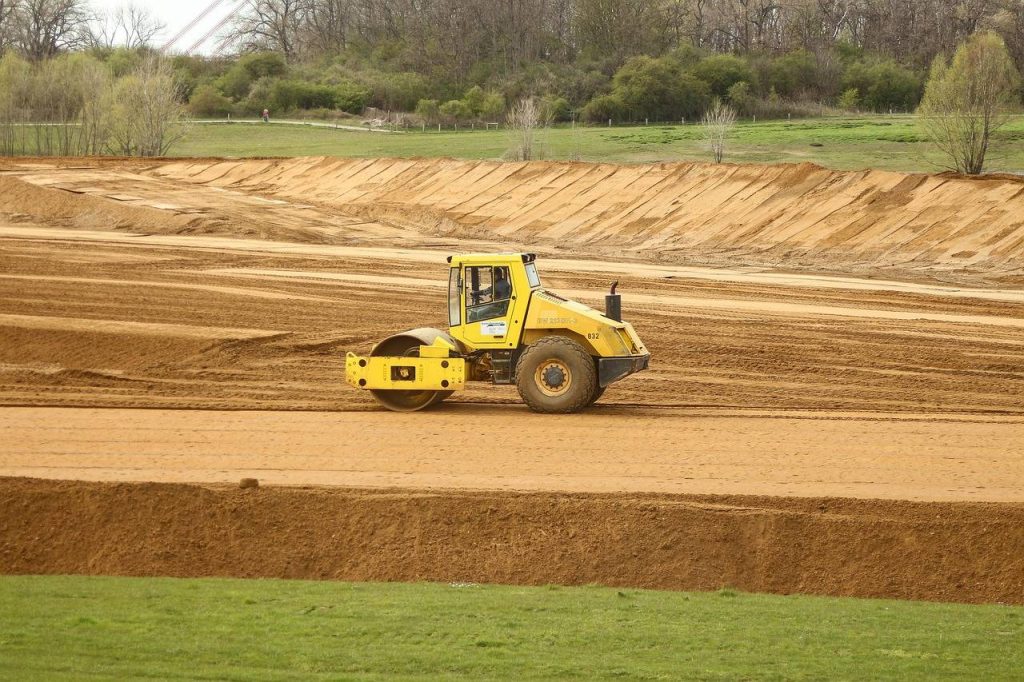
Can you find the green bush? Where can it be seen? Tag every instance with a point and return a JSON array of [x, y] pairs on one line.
[[474, 99], [393, 91], [262, 64], [235, 83], [492, 109], [883, 85], [350, 97], [261, 96], [207, 101], [456, 110], [723, 71], [555, 109], [604, 108], [849, 100], [794, 74], [659, 89], [288, 95], [121, 61], [741, 97], [429, 110], [191, 71]]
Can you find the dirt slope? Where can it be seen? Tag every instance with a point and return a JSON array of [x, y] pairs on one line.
[[948, 552], [791, 215], [22, 201]]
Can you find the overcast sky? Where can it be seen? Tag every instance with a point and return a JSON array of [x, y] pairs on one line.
[[176, 14]]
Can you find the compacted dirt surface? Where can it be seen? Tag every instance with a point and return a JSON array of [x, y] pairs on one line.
[[834, 403]]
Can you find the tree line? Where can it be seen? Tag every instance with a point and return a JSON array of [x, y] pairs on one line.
[[459, 34], [400, 51], [453, 61]]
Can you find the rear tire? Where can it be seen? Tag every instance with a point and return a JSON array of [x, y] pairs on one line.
[[556, 375]]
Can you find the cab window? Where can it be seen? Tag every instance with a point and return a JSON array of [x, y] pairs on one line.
[[532, 276], [488, 292], [454, 304]]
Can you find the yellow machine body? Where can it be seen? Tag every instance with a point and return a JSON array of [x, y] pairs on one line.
[[604, 337], [432, 369], [497, 312]]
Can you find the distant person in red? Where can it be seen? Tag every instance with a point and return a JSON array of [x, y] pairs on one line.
[[266, 115]]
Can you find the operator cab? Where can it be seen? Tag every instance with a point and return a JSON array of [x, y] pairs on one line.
[[488, 295], [488, 292]]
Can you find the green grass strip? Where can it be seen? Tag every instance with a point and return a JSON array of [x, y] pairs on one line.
[[882, 142], [163, 628]]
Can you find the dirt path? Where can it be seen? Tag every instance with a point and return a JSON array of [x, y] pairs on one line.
[[619, 449]]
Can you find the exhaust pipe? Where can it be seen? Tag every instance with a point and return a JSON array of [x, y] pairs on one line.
[[613, 304]]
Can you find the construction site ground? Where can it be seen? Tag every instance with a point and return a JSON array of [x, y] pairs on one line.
[[834, 403]]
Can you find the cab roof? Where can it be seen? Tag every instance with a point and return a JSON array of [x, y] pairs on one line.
[[491, 258]]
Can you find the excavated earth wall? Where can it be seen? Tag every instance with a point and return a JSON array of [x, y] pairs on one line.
[[964, 552], [782, 215]]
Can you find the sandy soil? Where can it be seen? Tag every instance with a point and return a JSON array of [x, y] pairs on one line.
[[884, 360], [924, 458], [792, 216]]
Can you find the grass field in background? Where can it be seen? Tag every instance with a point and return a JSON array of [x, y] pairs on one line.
[[885, 142], [115, 628]]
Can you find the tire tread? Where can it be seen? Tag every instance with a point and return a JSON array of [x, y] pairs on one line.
[[587, 371]]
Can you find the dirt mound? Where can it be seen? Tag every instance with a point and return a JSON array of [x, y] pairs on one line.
[[793, 215], [948, 552], [22, 201]]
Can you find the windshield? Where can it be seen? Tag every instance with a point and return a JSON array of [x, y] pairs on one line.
[[532, 276]]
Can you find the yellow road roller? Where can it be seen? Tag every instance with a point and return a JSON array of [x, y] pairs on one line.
[[504, 328]]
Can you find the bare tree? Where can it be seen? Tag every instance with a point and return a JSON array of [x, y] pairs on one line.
[[718, 122], [966, 101], [272, 25], [132, 26], [328, 24], [148, 116], [45, 27], [7, 9], [523, 119]]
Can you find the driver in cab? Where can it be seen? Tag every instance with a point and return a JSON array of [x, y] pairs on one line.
[[494, 298]]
